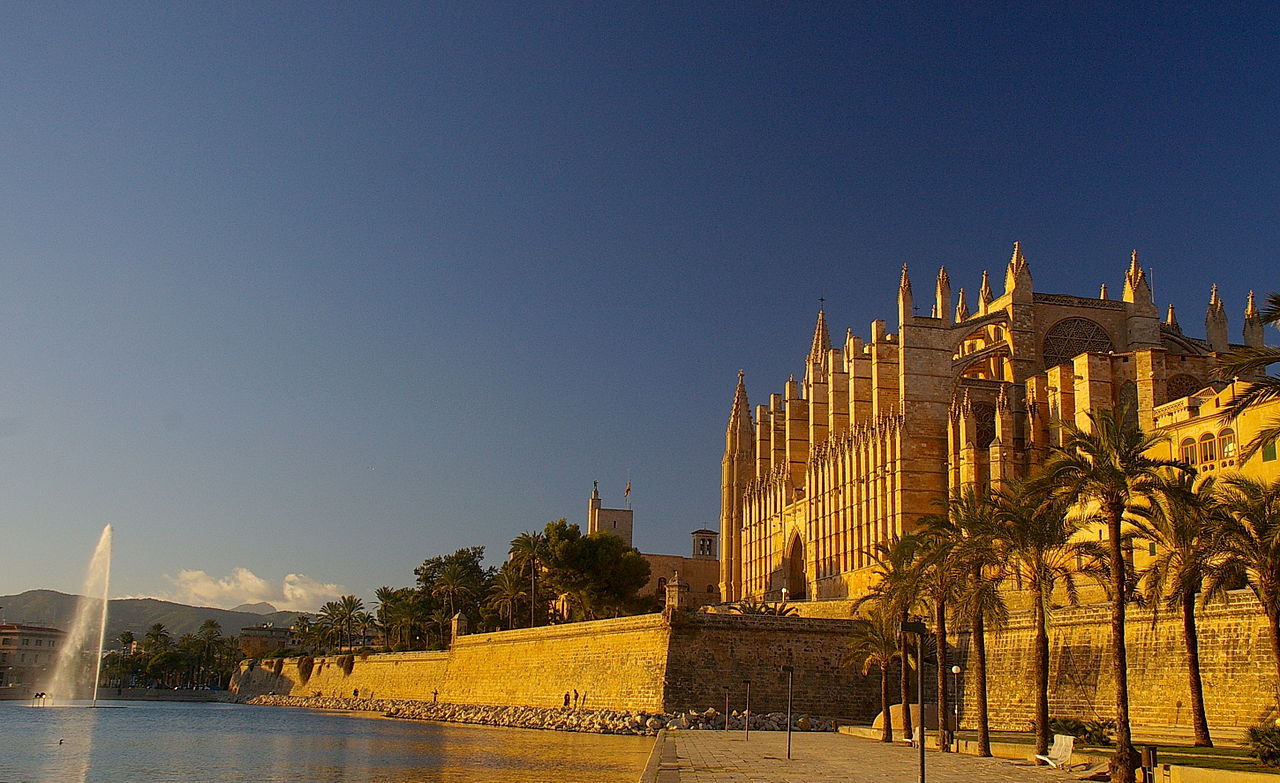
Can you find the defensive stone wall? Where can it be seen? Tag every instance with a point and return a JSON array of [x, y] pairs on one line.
[[617, 664], [711, 651], [648, 662], [1235, 656]]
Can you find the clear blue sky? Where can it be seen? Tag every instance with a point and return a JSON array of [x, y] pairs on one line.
[[323, 290]]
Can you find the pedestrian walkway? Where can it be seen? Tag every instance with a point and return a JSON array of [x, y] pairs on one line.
[[823, 757]]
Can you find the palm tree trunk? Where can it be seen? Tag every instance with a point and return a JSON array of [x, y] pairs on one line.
[[1198, 720], [980, 674], [906, 680], [944, 704], [1123, 762], [1042, 677], [886, 734]]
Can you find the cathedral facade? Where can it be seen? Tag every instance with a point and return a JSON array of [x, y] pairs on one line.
[[879, 431]]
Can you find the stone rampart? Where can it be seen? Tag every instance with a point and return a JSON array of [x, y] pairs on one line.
[[1235, 655], [711, 651], [633, 663], [616, 663]]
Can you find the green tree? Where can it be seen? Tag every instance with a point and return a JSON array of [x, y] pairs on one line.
[[458, 581], [873, 644], [599, 573], [157, 639], [975, 565], [1105, 464], [507, 594], [1181, 523], [895, 587], [1248, 544], [527, 552], [1034, 540]]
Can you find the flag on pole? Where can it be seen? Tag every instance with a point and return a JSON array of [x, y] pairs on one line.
[[627, 493]]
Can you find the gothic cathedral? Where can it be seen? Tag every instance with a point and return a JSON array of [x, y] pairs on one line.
[[878, 431]]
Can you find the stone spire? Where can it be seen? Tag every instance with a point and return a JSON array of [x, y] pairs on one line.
[[984, 294], [1215, 323], [1102, 292], [962, 308], [1017, 278], [1171, 320], [739, 433], [942, 297], [1136, 287], [821, 341], [1253, 337], [906, 306]]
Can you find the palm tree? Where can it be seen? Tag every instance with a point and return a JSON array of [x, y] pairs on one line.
[[1034, 540], [1106, 464], [507, 594], [938, 582], [1251, 363], [873, 643], [157, 639], [452, 585], [126, 640], [1248, 544], [527, 551], [1181, 523], [388, 598], [896, 588], [206, 642], [974, 561]]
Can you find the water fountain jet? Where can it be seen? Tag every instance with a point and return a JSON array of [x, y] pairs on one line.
[[88, 628]]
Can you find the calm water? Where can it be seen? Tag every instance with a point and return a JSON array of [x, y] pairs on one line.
[[154, 742]]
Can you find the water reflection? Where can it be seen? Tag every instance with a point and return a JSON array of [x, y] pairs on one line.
[[154, 742]]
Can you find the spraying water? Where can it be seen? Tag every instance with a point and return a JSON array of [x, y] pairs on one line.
[[88, 629]]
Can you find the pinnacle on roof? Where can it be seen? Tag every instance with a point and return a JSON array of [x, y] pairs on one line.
[[740, 415], [821, 340], [1017, 262], [904, 282], [943, 277], [962, 307], [1250, 308], [1002, 399], [1171, 320], [984, 294], [1214, 302], [1102, 292], [1136, 287]]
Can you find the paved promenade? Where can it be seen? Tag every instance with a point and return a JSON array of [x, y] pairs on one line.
[[720, 757]]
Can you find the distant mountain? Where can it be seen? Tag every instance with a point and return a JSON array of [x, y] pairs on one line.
[[262, 607], [54, 609]]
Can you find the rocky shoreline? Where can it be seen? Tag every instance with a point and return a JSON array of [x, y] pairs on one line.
[[635, 722]]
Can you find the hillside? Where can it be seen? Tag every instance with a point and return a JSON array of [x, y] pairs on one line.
[[51, 608]]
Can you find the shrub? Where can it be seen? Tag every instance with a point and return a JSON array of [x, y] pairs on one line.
[[305, 665], [277, 666], [1264, 743], [347, 663], [1093, 732]]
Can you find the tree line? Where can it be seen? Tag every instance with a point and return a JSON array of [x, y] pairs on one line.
[[554, 575], [204, 659]]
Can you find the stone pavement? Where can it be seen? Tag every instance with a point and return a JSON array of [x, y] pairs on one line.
[[823, 757]]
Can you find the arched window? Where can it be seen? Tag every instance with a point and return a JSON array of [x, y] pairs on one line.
[[1227, 443], [1188, 450], [662, 583], [1207, 451], [1180, 386]]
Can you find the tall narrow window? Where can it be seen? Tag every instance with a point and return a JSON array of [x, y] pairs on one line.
[[1187, 451], [1227, 443], [1207, 451]]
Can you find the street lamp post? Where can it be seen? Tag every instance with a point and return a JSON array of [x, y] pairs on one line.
[[726, 708], [919, 629], [790, 670], [955, 691], [746, 716]]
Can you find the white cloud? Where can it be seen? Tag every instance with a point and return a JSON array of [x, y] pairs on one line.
[[296, 592]]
